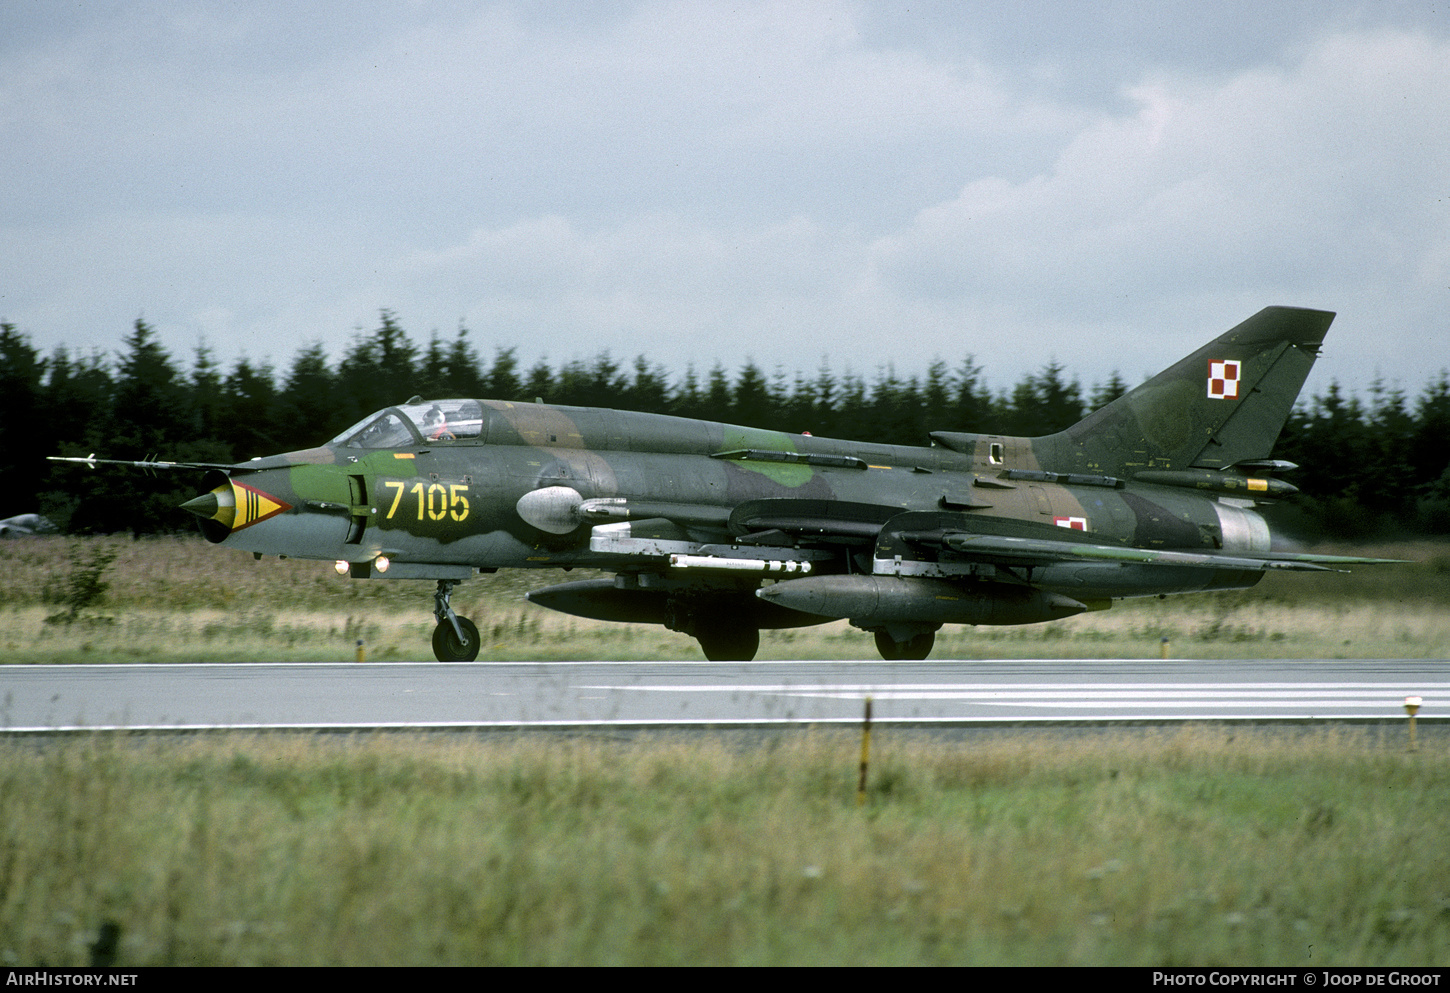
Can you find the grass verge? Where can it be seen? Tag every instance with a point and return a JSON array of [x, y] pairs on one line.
[[1194, 846]]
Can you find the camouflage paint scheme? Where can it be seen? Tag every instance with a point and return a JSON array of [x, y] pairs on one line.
[[718, 530]]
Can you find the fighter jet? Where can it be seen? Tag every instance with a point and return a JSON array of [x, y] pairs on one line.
[[719, 531]]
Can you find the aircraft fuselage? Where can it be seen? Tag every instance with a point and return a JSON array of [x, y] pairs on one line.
[[440, 508]]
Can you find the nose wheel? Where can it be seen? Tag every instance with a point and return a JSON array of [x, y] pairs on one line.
[[455, 639]]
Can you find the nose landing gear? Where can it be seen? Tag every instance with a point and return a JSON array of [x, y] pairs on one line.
[[455, 639]]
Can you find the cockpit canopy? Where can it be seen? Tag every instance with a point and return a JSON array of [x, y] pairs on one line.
[[425, 423]]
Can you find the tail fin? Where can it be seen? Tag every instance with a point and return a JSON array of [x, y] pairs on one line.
[[1224, 404]]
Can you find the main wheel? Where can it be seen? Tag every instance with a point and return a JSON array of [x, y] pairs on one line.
[[447, 647], [911, 650], [726, 644]]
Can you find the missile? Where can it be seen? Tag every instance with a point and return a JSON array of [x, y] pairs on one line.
[[1219, 482]]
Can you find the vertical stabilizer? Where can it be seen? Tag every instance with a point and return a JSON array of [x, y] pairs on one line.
[[1224, 404]]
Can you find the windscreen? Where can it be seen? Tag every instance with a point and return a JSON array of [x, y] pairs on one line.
[[446, 420], [432, 421]]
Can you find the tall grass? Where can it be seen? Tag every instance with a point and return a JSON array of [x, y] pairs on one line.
[[1195, 846]]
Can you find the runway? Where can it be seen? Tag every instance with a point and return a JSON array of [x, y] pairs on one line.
[[702, 694]]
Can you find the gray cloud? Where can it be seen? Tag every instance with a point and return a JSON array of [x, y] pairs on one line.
[[702, 182]]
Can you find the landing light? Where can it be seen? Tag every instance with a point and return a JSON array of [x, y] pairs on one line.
[[381, 563], [341, 567]]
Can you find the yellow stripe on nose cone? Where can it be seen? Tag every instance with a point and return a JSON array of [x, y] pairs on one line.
[[219, 505], [236, 505], [254, 506]]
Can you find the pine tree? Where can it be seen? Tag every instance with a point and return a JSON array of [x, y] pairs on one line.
[[205, 402], [1391, 431], [853, 418], [750, 404], [719, 400], [1059, 402], [972, 404], [379, 370], [432, 377], [936, 396], [148, 408], [503, 377], [1429, 452], [541, 384], [148, 419], [78, 401], [1105, 394], [24, 437], [798, 411], [307, 413], [687, 400], [77, 405], [606, 384], [650, 389], [464, 376], [825, 399], [250, 399]]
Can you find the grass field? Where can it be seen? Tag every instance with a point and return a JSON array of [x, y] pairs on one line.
[[1180, 847], [179, 599]]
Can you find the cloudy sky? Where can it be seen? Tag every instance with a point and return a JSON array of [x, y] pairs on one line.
[[1107, 184]]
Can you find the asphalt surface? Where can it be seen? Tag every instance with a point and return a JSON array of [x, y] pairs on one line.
[[702, 694]]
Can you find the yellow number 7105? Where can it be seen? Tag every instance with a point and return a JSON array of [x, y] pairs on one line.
[[434, 499]]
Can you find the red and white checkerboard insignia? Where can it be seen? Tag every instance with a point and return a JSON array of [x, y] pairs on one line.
[[1223, 380], [1076, 523]]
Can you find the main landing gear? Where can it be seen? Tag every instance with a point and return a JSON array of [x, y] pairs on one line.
[[912, 649], [728, 643], [455, 639]]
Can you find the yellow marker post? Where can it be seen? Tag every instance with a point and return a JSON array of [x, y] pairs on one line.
[[1412, 707], [1165, 644], [865, 754], [362, 652]]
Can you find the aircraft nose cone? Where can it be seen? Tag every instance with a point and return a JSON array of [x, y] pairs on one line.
[[217, 510], [204, 506]]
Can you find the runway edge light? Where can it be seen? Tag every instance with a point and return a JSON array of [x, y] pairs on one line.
[[1412, 707]]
